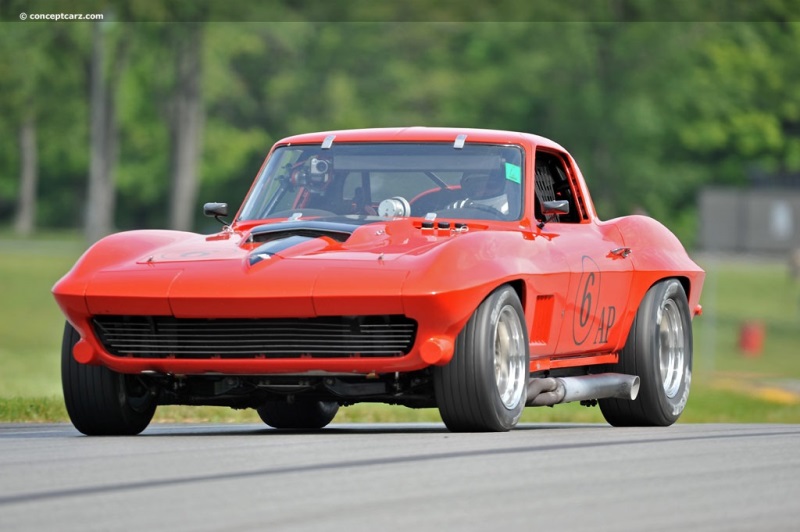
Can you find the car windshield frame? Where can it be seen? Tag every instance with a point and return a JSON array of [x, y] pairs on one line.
[[388, 180]]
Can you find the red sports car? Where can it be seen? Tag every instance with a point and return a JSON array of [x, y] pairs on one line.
[[460, 269]]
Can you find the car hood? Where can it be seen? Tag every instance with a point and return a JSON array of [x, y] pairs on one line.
[[288, 268], [341, 239]]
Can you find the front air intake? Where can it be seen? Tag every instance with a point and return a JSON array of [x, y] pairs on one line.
[[326, 337]]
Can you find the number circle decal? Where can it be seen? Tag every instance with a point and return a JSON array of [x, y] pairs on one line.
[[587, 300]]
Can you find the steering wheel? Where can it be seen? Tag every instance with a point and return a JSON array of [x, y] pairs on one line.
[[496, 213]]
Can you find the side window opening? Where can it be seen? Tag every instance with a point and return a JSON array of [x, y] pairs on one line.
[[552, 183]]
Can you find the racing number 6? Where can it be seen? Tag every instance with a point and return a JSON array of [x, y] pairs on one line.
[[585, 300]]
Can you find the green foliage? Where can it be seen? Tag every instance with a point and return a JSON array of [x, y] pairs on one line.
[[741, 101], [41, 76], [651, 109]]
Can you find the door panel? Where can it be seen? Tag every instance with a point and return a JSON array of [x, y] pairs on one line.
[[547, 282], [600, 278]]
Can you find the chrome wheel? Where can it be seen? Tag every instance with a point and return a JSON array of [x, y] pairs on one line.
[[672, 347], [509, 357], [659, 352], [484, 386]]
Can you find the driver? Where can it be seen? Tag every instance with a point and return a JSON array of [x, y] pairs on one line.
[[314, 174], [483, 188]]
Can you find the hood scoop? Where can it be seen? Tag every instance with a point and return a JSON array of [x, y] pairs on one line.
[[273, 247], [278, 237], [338, 231]]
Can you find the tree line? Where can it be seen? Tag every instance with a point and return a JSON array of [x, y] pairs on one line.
[[119, 124]]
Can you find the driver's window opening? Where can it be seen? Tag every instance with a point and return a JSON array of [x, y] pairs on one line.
[[476, 182], [552, 183]]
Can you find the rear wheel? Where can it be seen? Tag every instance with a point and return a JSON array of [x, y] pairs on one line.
[[299, 414], [484, 386], [101, 402], [659, 351]]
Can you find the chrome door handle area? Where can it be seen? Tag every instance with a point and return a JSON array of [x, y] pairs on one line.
[[620, 252]]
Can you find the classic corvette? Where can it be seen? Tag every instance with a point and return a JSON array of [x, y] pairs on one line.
[[460, 269]]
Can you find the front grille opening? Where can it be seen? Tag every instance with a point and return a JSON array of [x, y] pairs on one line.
[[326, 337]]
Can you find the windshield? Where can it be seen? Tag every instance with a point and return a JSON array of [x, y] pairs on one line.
[[478, 181]]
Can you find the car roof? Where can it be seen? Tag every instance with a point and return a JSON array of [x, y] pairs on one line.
[[421, 134]]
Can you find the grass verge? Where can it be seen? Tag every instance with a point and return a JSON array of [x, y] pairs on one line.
[[729, 386], [722, 401]]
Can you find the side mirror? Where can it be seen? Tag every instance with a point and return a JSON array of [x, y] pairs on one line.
[[216, 210], [555, 207], [213, 210]]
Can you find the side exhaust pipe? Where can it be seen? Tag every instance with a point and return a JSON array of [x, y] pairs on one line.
[[554, 390]]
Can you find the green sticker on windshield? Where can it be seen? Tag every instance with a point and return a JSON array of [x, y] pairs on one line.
[[513, 173]]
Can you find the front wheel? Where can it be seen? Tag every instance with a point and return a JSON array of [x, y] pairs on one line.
[[484, 386], [101, 402], [659, 351]]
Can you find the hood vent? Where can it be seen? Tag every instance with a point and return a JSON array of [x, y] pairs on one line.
[[272, 247], [305, 228]]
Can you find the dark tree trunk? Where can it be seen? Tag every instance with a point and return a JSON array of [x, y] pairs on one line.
[[186, 127], [25, 221], [99, 208], [103, 135]]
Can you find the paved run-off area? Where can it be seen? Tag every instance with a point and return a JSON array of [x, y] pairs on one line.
[[402, 477]]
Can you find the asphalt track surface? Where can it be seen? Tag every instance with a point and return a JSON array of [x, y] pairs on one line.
[[402, 477]]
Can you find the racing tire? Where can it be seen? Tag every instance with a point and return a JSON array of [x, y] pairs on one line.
[[101, 402], [484, 387], [299, 414], [659, 351]]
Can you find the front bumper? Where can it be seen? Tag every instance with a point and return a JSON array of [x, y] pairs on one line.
[[171, 295]]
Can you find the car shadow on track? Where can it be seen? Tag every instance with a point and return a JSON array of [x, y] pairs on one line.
[[184, 430]]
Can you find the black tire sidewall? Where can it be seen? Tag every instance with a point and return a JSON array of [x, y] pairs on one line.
[[660, 409], [640, 357], [466, 388], [504, 417], [96, 398]]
